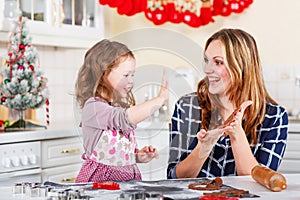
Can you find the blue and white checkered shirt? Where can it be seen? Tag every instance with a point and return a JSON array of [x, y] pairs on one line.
[[186, 122]]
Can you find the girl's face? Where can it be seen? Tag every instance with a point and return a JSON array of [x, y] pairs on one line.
[[215, 69], [121, 77]]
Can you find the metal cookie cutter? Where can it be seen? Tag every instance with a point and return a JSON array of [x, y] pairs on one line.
[[139, 195]]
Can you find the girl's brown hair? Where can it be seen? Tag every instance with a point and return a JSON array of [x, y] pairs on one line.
[[92, 80], [244, 66]]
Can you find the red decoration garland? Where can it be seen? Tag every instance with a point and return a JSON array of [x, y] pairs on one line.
[[194, 13]]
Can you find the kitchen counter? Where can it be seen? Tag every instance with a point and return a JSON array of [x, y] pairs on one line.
[[239, 182], [57, 130]]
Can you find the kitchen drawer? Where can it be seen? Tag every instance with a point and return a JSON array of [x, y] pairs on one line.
[[62, 174], [61, 152]]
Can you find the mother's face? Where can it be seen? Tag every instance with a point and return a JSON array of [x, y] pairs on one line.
[[215, 69]]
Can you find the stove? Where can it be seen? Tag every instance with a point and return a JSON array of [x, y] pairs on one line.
[[20, 162]]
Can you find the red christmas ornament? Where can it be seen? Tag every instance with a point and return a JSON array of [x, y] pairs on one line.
[[191, 19], [21, 46], [142, 5], [242, 4], [3, 99], [20, 67], [125, 8], [174, 15], [115, 3], [235, 6], [148, 14], [247, 3], [31, 67], [156, 12], [217, 7], [226, 10], [138, 6], [159, 16], [206, 13]]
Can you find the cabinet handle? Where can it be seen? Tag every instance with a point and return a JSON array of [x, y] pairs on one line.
[[70, 151], [68, 179]]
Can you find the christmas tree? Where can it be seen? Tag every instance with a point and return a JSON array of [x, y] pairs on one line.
[[23, 85]]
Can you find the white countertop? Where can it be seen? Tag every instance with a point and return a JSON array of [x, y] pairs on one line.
[[55, 130], [240, 182]]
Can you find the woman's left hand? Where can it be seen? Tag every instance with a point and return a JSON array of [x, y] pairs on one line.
[[146, 154], [236, 123]]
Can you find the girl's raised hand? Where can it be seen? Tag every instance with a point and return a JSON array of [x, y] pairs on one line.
[[164, 91]]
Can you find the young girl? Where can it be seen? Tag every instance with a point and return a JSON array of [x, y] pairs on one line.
[[109, 114]]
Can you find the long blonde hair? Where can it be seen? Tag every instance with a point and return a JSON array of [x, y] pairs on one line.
[[244, 66], [92, 80]]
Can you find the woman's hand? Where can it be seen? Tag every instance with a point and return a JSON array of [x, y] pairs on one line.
[[236, 122], [207, 139], [146, 154]]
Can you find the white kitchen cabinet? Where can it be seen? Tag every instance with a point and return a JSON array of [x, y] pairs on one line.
[[62, 174], [291, 159], [61, 159], [62, 23]]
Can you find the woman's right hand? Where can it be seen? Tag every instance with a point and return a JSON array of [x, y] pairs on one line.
[[207, 139]]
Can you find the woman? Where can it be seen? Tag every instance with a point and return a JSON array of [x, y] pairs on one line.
[[200, 146]]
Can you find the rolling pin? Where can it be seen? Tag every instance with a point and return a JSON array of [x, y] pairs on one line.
[[269, 178]]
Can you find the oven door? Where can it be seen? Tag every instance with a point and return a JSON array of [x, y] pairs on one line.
[[28, 175]]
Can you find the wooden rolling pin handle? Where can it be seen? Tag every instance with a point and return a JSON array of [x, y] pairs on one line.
[[280, 184]]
